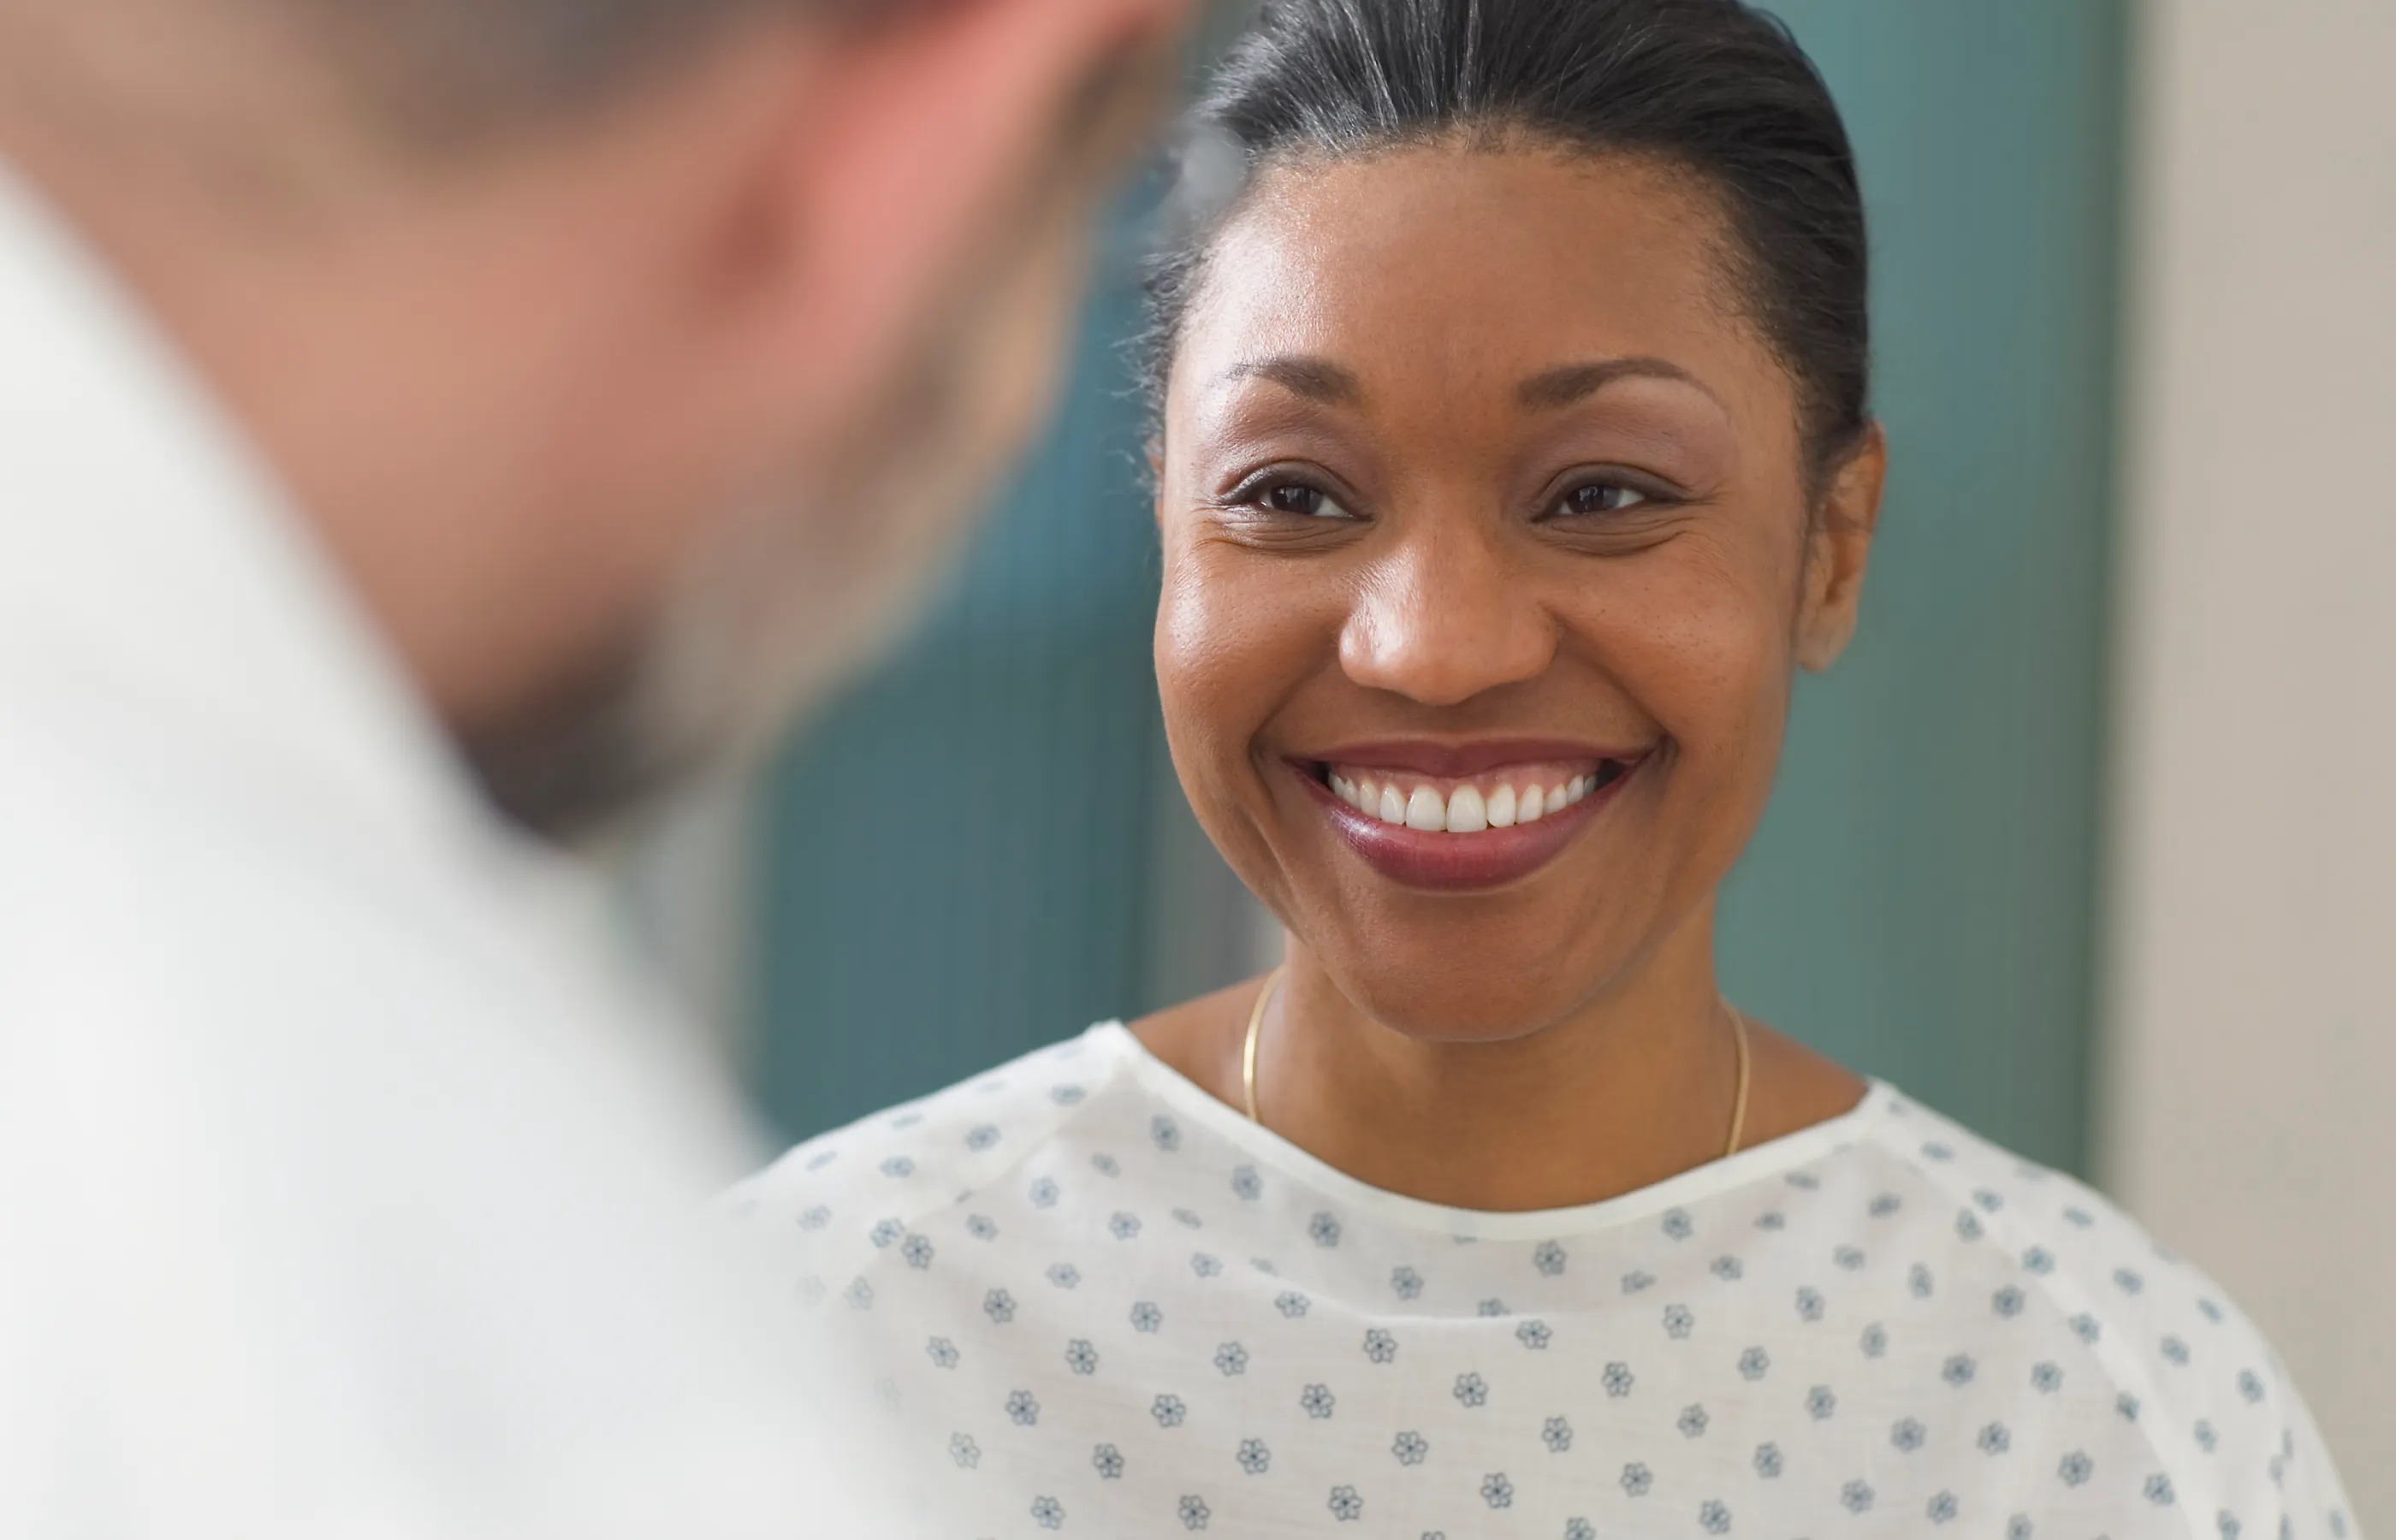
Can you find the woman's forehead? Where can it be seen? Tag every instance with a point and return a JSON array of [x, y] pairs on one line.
[[1470, 268]]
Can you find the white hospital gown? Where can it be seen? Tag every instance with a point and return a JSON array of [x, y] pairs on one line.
[[1102, 1303]]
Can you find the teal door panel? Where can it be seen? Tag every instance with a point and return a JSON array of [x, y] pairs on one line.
[[1921, 900]]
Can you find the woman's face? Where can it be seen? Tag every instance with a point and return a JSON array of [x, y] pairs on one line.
[[1488, 564]]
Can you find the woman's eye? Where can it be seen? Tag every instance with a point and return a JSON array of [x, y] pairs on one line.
[[1601, 497], [1307, 502]]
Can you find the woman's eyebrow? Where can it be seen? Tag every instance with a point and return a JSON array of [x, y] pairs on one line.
[[1300, 374], [1570, 383]]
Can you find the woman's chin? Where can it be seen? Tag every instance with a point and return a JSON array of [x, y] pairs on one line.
[[1492, 1000]]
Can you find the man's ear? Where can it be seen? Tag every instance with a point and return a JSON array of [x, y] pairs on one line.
[[916, 144], [1838, 551]]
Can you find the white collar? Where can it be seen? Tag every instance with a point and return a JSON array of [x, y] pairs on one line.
[[151, 567]]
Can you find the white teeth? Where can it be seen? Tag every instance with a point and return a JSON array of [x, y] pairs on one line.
[[1469, 809]]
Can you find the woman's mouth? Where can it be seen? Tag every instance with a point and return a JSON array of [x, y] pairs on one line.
[[1452, 818]]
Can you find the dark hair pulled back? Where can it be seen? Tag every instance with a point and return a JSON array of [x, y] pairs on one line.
[[1714, 88]]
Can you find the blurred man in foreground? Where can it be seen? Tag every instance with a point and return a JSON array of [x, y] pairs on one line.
[[426, 427]]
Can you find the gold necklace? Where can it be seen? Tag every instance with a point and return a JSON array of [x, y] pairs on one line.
[[1248, 1049], [1738, 1037], [1745, 1073]]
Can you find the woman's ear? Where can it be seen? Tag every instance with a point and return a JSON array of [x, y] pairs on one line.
[[1839, 549]]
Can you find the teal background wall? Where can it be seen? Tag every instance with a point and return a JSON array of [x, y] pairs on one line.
[[1921, 901], [962, 858]]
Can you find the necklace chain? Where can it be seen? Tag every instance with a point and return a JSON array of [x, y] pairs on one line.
[[1738, 1037], [1248, 1048]]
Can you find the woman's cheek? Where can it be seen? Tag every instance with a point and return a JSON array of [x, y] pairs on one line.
[[1214, 674], [1735, 690], [1236, 633], [1705, 658], [1198, 653]]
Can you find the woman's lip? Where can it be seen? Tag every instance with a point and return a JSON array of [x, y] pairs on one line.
[[1459, 863], [1458, 761]]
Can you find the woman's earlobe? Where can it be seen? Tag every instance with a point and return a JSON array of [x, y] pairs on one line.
[[1839, 552], [1824, 635]]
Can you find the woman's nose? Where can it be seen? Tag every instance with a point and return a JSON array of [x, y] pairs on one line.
[[1442, 618]]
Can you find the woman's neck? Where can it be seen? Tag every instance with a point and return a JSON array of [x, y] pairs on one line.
[[1635, 1086]]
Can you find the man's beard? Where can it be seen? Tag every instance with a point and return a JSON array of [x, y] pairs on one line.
[[803, 591]]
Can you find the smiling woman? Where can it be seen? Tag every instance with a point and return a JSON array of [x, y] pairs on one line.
[[1531, 510], [1513, 459]]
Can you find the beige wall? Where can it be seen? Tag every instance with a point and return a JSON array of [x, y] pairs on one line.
[[2251, 1017]]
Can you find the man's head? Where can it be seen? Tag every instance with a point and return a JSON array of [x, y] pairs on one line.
[[633, 359]]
